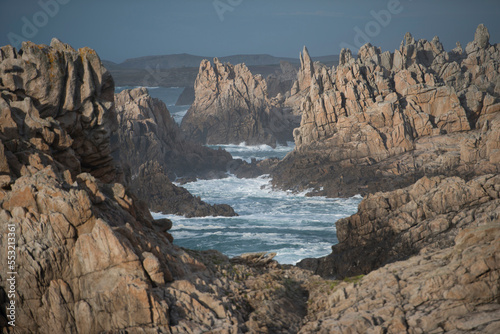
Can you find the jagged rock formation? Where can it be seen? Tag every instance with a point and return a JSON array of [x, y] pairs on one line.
[[186, 98], [454, 290], [147, 132], [232, 106], [396, 225], [90, 258], [381, 121], [150, 146], [280, 83]]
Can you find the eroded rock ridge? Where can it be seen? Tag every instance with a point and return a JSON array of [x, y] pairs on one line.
[[232, 106], [382, 120]]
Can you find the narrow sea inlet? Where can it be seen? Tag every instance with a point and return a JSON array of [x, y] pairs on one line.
[[292, 225]]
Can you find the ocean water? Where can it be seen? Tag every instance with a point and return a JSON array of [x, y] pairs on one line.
[[260, 152], [169, 95], [292, 225]]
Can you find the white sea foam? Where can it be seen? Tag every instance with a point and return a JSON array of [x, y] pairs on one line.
[[293, 225], [258, 152], [290, 224]]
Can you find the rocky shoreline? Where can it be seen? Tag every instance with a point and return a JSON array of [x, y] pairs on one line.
[[383, 120], [421, 257]]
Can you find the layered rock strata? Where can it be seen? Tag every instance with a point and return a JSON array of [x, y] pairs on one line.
[[232, 106], [382, 120], [152, 150]]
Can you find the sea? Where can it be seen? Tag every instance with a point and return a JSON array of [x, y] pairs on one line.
[[292, 225]]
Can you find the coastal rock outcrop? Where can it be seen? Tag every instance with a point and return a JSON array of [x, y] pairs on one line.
[[452, 290], [382, 120], [152, 150], [89, 258], [232, 106], [393, 226]]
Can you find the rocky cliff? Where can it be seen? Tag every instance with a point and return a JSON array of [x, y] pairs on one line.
[[393, 226], [89, 258], [152, 150], [232, 106], [382, 120]]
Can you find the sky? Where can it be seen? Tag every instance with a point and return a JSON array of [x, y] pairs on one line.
[[122, 29]]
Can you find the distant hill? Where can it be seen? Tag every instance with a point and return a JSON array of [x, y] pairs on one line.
[[187, 60], [180, 70]]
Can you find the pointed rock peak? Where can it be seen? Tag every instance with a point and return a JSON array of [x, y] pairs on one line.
[[408, 40], [482, 36], [305, 59], [305, 53], [57, 44], [345, 56], [216, 60], [437, 44]]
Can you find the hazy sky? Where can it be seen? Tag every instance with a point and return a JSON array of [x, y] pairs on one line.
[[121, 29]]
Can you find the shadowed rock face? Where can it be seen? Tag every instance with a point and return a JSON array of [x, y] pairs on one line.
[[232, 106], [147, 132], [395, 225], [61, 102], [382, 120], [150, 146]]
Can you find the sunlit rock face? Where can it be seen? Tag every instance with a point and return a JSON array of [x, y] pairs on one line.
[[232, 106], [381, 120]]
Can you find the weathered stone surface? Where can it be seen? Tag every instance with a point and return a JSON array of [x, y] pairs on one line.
[[454, 290], [151, 148], [91, 259], [232, 106], [147, 132], [396, 225], [382, 120]]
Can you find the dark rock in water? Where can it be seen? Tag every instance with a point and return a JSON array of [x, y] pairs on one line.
[[153, 185], [382, 121], [232, 106], [186, 98], [147, 132]]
